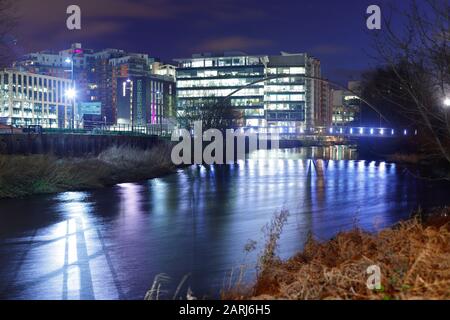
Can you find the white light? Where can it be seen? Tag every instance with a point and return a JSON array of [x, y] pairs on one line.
[[341, 130], [68, 60], [351, 131], [381, 131], [371, 131], [361, 131], [447, 102], [71, 93], [392, 131], [405, 132], [331, 130]]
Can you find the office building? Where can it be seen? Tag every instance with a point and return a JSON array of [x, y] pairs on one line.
[[346, 105], [33, 99], [263, 100]]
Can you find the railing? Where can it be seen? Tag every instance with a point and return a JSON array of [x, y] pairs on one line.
[[335, 131], [165, 130]]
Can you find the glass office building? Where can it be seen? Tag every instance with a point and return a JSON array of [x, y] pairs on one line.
[[263, 99], [32, 99]]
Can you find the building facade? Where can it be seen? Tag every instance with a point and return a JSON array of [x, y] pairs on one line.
[[144, 100], [324, 114], [346, 105], [263, 98], [33, 99]]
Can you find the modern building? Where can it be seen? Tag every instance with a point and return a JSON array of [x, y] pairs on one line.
[[346, 105], [263, 99], [33, 99], [145, 100]]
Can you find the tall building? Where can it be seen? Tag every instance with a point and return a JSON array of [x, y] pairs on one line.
[[144, 100], [288, 101], [33, 99]]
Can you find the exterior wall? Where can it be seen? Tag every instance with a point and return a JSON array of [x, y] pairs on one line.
[[285, 98], [324, 114], [31, 99]]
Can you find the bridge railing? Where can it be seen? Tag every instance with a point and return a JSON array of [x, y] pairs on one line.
[[342, 131]]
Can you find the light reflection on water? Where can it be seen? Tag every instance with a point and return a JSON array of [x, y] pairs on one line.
[[110, 243]]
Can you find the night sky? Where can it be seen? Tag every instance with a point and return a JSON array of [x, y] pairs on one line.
[[334, 31]]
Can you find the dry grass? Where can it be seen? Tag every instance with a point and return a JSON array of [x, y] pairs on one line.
[[130, 164], [37, 174], [414, 259]]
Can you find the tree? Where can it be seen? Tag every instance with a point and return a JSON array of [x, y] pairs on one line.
[[415, 57], [7, 23], [213, 114], [382, 88]]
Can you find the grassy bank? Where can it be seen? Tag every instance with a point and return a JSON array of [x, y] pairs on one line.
[[413, 256], [37, 174]]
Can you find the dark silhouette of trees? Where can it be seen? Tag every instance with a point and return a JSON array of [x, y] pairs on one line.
[[213, 114], [414, 75]]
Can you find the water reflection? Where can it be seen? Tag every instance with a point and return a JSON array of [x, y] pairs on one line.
[[110, 243]]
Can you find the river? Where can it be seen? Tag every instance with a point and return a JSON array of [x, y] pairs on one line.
[[111, 243]]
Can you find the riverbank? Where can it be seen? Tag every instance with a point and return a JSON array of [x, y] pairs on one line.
[[413, 257], [22, 176]]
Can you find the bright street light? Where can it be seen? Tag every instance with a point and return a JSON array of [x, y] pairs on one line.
[[71, 93], [447, 102]]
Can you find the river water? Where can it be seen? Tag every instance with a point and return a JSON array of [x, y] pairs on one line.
[[112, 243]]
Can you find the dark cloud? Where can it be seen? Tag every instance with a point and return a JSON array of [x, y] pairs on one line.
[[325, 49], [232, 43]]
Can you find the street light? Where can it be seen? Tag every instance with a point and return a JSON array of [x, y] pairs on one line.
[[71, 93], [447, 102]]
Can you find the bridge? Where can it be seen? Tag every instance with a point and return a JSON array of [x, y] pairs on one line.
[[293, 133]]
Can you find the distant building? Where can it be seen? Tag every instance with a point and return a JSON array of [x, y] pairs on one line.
[[33, 99], [165, 70], [290, 101], [346, 105], [145, 100], [324, 114]]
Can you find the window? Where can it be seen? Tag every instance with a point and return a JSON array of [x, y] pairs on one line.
[[198, 64]]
